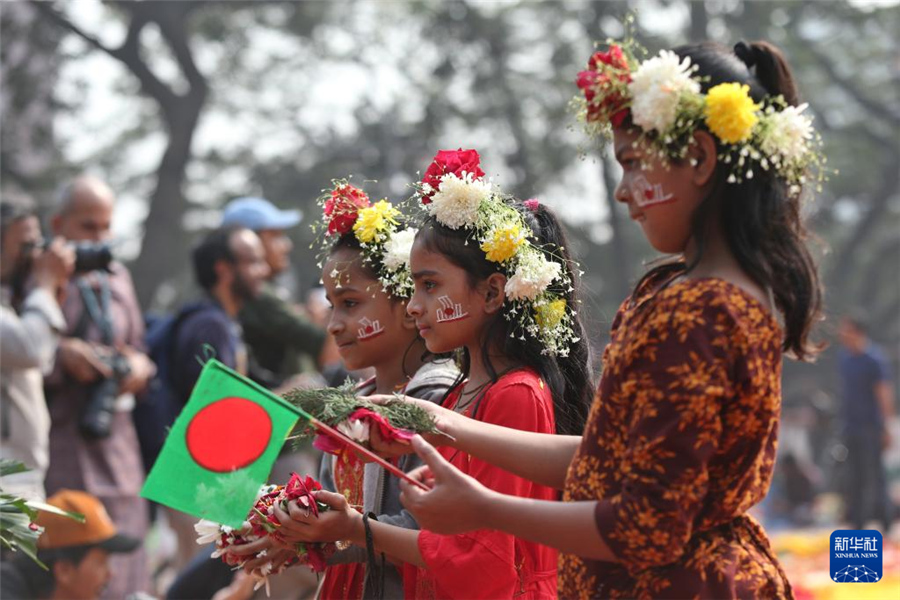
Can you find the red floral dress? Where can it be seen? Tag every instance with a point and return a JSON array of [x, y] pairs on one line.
[[345, 581], [680, 443], [490, 564]]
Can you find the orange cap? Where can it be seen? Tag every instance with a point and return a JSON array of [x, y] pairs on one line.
[[97, 529]]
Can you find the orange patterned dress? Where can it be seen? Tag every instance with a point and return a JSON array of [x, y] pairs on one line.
[[680, 443]]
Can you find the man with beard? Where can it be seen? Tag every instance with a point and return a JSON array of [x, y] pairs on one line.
[[282, 341], [99, 370], [230, 265]]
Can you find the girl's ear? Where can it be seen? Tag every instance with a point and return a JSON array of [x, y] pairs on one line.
[[494, 292], [703, 157]]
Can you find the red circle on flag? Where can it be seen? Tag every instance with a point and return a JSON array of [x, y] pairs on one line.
[[228, 434]]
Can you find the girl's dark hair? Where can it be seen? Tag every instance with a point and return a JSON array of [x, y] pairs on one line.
[[760, 220], [348, 241], [570, 377]]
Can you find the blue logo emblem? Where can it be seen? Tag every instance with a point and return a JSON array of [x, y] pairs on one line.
[[856, 556]]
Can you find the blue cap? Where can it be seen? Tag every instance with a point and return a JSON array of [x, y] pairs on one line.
[[259, 213]]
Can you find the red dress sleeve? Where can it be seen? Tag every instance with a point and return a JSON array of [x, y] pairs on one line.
[[491, 564]]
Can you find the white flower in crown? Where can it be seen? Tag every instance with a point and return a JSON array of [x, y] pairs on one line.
[[456, 202], [656, 88], [397, 249], [533, 275], [357, 430], [787, 133]]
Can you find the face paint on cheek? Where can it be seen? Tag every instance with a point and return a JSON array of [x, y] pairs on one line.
[[449, 310], [369, 329], [648, 194]]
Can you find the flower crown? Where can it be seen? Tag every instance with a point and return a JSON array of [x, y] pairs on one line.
[[662, 95], [379, 228], [454, 193]]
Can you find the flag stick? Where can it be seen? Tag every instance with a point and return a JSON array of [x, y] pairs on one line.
[[365, 451]]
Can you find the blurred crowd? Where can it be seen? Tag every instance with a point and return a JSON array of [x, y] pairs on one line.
[[90, 385]]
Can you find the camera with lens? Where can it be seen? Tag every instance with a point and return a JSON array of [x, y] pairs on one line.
[[89, 256], [92, 256], [96, 418]]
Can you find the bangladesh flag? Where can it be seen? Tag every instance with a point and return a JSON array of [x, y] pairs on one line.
[[221, 448]]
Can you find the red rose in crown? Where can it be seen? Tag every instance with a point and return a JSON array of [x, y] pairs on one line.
[[342, 209], [450, 161], [605, 68]]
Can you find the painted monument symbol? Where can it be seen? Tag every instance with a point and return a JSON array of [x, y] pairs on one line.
[[450, 311], [369, 329], [648, 194]]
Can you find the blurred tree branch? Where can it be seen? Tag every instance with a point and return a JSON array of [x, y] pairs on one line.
[[180, 112]]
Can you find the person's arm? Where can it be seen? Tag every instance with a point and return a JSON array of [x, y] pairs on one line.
[[457, 503], [30, 339], [342, 522], [884, 394], [539, 457], [673, 431], [271, 316]]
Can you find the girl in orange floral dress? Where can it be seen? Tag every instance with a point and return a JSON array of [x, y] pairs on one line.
[[681, 439]]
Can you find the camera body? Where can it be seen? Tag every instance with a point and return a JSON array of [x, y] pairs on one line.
[[92, 256], [89, 256], [96, 418]]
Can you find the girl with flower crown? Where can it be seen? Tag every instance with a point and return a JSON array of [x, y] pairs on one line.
[[367, 282], [492, 278], [680, 442]]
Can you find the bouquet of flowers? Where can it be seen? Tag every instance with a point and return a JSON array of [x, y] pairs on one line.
[[354, 416], [262, 522]]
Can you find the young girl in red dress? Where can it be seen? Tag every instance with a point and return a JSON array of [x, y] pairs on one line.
[[681, 439], [367, 282], [492, 277]]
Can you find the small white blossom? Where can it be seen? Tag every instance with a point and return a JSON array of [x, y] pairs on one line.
[[787, 133], [456, 202], [532, 276], [397, 249], [656, 88], [207, 531], [357, 430]]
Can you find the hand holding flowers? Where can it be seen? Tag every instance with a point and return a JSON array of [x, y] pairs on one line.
[[299, 525], [258, 546], [445, 420]]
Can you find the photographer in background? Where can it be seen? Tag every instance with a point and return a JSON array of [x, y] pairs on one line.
[[30, 322], [100, 366]]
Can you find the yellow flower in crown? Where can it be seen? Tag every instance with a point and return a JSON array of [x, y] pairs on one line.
[[730, 112], [549, 315], [375, 221], [503, 243]]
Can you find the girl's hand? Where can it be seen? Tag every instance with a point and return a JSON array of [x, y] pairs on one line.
[[456, 503], [240, 588], [238, 552], [446, 420], [340, 523]]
